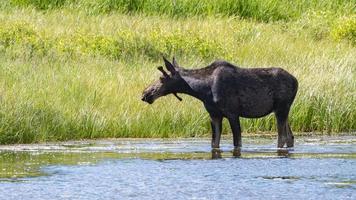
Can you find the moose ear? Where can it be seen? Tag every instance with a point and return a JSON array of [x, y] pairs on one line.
[[169, 66]]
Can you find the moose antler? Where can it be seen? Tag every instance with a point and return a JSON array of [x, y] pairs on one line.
[[160, 68]]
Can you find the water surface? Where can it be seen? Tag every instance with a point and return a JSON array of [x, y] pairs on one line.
[[179, 169]]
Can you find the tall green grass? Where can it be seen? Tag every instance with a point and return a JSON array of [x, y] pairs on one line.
[[262, 10], [67, 75]]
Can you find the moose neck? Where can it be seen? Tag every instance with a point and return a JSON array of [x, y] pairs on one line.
[[195, 85]]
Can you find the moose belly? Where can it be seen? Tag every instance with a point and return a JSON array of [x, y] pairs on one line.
[[254, 104], [255, 111]]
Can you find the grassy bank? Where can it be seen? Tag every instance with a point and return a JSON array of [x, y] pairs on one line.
[[70, 75]]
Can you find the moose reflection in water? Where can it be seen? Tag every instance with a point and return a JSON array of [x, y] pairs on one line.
[[231, 92]]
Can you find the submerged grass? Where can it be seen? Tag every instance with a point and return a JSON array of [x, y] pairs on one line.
[[69, 75], [18, 165]]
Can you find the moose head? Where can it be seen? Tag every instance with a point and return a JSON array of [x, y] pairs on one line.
[[167, 83]]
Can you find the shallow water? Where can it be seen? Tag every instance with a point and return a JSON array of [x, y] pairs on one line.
[[179, 169]]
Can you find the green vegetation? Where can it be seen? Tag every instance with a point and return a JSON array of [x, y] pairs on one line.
[[17, 165], [76, 69], [263, 10], [345, 28]]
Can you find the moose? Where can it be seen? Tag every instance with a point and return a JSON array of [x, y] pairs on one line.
[[231, 92]]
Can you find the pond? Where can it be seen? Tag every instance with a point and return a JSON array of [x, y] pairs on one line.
[[322, 167]]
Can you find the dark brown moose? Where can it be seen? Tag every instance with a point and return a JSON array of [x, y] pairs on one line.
[[231, 92]]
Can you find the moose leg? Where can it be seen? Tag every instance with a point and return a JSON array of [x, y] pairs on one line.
[[282, 122], [236, 135], [282, 136], [236, 131], [290, 137], [216, 126]]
